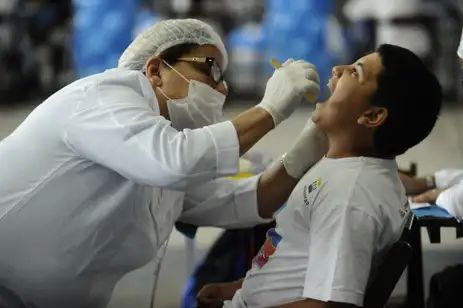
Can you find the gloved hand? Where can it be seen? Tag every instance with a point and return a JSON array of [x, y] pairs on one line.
[[310, 147], [258, 161], [286, 88]]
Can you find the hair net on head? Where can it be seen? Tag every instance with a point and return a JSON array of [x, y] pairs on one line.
[[166, 34], [460, 48]]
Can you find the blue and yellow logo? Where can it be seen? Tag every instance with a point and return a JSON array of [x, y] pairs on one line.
[[314, 185], [309, 189]]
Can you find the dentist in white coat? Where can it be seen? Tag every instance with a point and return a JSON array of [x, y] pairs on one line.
[[94, 179]]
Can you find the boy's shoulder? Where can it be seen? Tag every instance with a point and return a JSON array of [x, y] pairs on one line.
[[360, 184]]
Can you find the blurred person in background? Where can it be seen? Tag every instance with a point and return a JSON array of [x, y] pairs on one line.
[[445, 187], [350, 208], [95, 178]]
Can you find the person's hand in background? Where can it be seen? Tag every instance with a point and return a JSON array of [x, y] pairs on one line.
[[429, 196], [417, 185], [213, 295]]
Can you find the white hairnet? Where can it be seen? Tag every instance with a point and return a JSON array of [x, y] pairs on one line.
[[460, 48], [166, 34]]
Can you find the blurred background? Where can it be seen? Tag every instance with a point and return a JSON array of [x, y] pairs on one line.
[[46, 44]]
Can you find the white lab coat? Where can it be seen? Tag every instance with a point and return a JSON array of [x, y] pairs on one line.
[[77, 205], [452, 198]]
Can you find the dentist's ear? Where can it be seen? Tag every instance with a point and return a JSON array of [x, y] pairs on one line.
[[153, 71]]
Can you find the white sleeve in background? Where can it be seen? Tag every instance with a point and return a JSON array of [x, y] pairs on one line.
[[446, 178], [342, 243], [116, 127], [452, 201], [460, 47], [225, 203]]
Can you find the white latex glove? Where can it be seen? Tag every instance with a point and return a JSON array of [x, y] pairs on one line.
[[310, 147], [259, 161], [286, 88]]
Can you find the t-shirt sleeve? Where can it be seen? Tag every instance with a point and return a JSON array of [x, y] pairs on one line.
[[341, 247]]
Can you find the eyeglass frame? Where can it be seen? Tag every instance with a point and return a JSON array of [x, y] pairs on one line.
[[211, 62]]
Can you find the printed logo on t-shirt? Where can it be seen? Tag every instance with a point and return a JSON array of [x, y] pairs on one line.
[[310, 188], [405, 210], [268, 249]]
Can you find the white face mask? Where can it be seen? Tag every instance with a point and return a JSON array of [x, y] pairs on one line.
[[202, 106]]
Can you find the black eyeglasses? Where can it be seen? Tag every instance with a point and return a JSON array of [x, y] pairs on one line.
[[214, 68]]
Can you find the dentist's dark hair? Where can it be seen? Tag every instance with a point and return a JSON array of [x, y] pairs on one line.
[[172, 54]]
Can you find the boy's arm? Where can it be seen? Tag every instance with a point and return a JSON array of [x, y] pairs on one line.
[[218, 292], [311, 303]]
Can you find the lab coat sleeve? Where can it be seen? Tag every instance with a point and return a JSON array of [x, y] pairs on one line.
[[446, 178], [116, 127], [225, 203], [452, 200]]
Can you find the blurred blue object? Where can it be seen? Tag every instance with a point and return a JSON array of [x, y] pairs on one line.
[[102, 31], [250, 35], [144, 19], [432, 211], [246, 46], [299, 29]]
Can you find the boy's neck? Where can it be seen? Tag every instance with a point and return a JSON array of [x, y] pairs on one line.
[[346, 147]]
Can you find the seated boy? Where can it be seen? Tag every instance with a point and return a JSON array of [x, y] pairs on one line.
[[351, 207]]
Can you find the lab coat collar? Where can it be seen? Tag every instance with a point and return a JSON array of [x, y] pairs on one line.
[[141, 83], [149, 93]]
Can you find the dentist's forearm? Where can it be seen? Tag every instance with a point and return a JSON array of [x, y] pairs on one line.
[[251, 126], [274, 188]]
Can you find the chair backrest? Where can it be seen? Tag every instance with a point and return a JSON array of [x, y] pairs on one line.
[[9, 299], [390, 270]]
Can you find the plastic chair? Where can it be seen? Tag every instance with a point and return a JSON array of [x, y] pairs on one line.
[[8, 299], [390, 270]]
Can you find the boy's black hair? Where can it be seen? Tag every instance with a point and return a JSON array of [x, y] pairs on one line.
[[411, 94]]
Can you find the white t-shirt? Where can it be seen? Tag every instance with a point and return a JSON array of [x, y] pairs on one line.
[[338, 222]]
